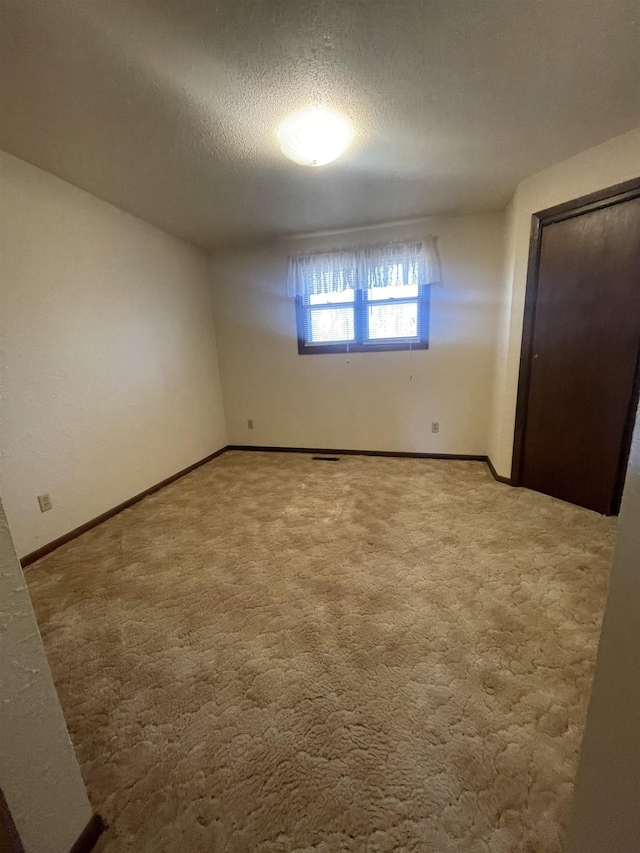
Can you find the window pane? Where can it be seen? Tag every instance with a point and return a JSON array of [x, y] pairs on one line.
[[330, 325], [393, 321], [395, 291], [333, 296]]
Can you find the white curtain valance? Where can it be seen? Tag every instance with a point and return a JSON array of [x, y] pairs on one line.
[[379, 265]]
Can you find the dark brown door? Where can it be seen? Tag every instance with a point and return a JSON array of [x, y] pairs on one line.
[[584, 356]]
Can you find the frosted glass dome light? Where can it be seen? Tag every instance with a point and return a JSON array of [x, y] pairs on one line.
[[315, 136]]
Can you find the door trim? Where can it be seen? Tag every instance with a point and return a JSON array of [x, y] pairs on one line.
[[585, 204]]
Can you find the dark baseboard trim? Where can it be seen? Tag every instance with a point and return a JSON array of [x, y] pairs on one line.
[[497, 476], [329, 451], [78, 531], [89, 835]]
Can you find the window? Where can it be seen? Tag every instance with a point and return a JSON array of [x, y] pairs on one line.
[[369, 299]]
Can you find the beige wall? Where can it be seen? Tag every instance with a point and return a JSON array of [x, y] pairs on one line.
[[109, 369], [607, 795], [615, 161], [39, 774], [366, 400]]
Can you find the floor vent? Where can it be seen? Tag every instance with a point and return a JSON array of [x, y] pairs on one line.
[[326, 458]]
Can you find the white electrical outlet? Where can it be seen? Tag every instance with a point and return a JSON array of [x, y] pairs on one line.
[[435, 426], [249, 424], [45, 502]]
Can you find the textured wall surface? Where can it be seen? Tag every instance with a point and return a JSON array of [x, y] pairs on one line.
[[615, 161], [370, 401], [39, 774], [170, 110], [606, 814], [109, 370]]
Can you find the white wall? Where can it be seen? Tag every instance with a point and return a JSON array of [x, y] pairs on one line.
[[606, 813], [39, 774], [607, 164], [109, 370], [366, 400]]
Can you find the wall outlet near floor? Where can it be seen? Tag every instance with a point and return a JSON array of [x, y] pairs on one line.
[[435, 426], [45, 502], [250, 424]]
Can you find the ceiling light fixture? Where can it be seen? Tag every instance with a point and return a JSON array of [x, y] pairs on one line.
[[315, 136]]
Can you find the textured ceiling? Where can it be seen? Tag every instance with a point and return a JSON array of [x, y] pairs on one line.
[[169, 109]]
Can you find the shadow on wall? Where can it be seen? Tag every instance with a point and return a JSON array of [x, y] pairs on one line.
[[606, 814]]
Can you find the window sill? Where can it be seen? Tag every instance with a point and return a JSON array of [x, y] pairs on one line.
[[390, 346]]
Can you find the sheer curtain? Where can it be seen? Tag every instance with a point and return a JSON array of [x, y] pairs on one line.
[[413, 262]]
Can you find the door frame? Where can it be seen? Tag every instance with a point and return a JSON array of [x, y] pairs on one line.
[[567, 210]]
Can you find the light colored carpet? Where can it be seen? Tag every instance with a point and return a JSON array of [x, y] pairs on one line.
[[275, 654]]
